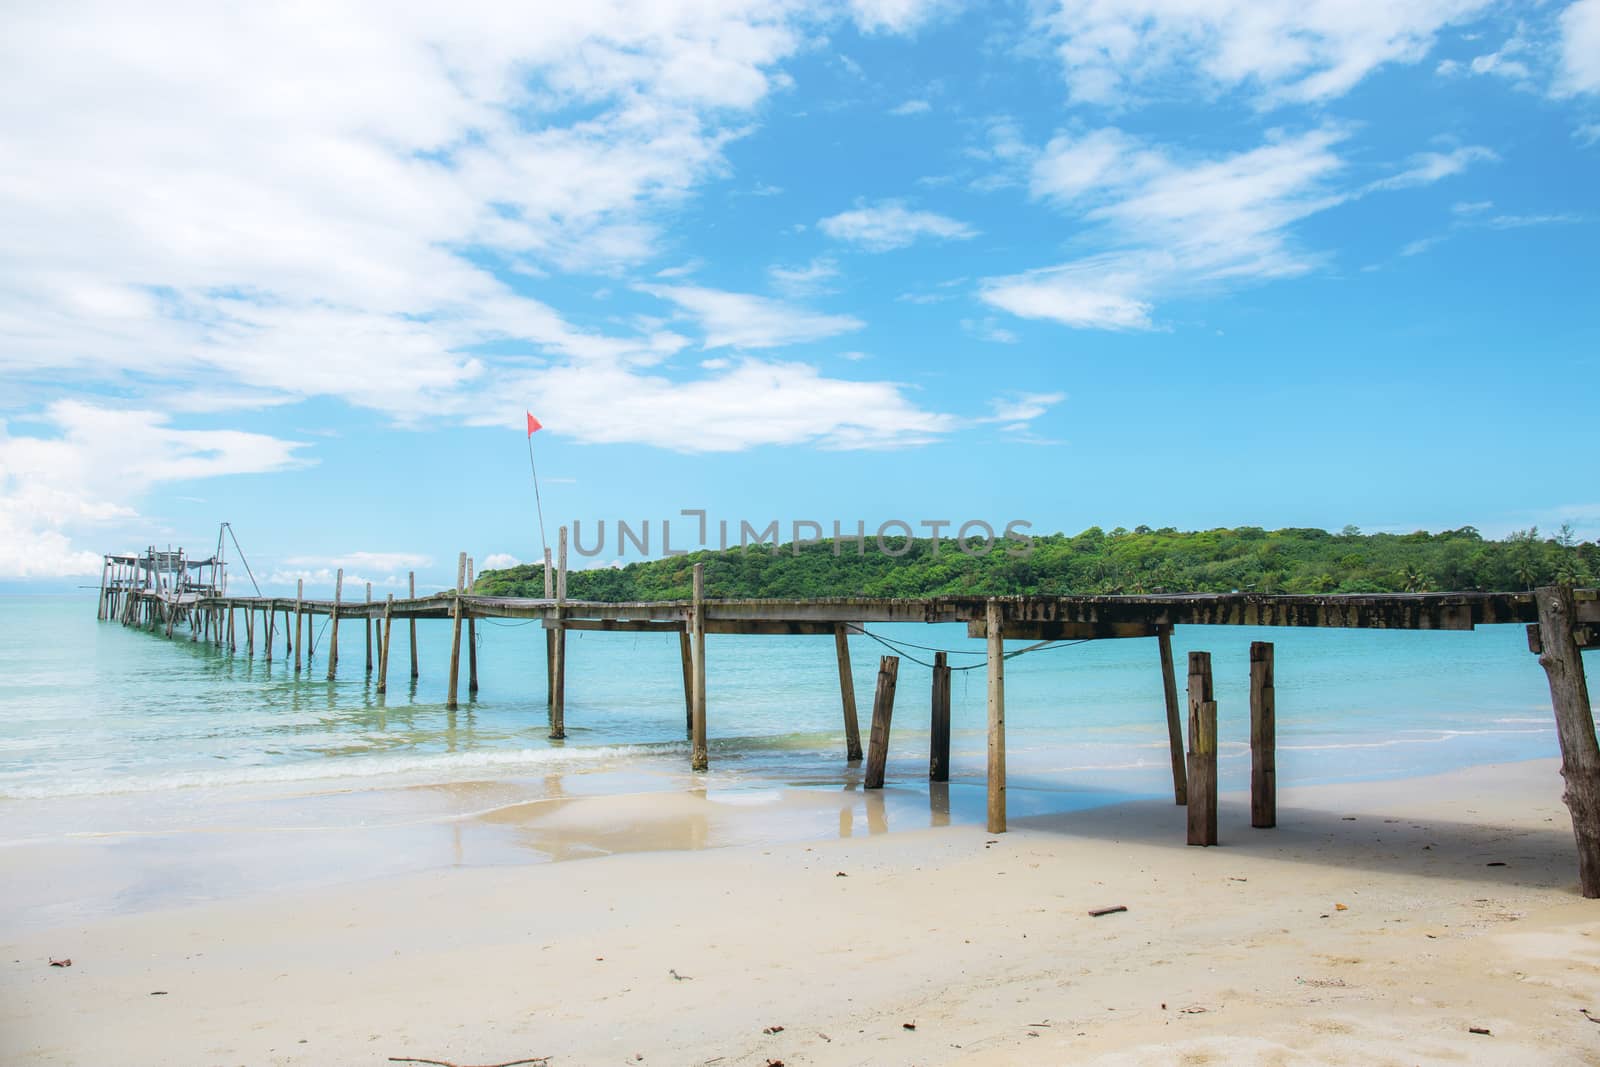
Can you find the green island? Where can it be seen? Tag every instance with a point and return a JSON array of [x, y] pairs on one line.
[[1137, 561]]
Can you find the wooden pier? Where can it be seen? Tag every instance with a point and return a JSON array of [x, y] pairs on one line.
[[165, 592]]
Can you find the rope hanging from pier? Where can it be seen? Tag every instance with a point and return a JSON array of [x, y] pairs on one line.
[[900, 646]]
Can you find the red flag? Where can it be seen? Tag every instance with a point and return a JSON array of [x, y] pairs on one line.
[[533, 424]]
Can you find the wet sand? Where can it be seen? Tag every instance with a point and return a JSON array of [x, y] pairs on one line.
[[1239, 953]]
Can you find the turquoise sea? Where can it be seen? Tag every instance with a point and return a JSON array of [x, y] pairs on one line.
[[139, 772], [95, 709]]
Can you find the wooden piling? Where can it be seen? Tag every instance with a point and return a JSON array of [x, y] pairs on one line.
[[1202, 752], [1562, 661], [1169, 688], [387, 630], [369, 629], [100, 605], [333, 623], [232, 644], [686, 655], [939, 731], [455, 634], [250, 633], [1263, 738], [882, 713], [847, 694], [699, 756], [299, 616], [266, 630], [558, 664], [472, 641], [997, 719], [411, 580], [549, 637]]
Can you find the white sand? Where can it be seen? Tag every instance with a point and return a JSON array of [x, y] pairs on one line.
[[1226, 955]]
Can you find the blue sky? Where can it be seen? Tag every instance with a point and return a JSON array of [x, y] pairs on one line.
[[1189, 263]]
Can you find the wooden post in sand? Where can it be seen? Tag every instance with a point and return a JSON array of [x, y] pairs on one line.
[[1202, 752], [411, 581], [997, 719], [699, 756], [549, 637], [686, 655], [386, 632], [472, 641], [558, 663], [847, 694], [333, 623], [455, 635], [369, 629], [882, 712], [1263, 738], [1169, 688], [939, 734], [1580, 754], [299, 614]]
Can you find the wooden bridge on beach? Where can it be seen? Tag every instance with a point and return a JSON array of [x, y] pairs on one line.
[[168, 593]]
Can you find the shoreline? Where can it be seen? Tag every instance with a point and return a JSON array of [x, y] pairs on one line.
[[256, 839], [978, 940]]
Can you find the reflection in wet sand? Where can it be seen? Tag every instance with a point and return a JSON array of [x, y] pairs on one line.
[[939, 803]]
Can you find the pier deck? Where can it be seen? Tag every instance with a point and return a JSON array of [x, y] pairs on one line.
[[1562, 622]]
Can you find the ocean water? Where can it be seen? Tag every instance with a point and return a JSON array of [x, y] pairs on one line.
[[138, 772], [96, 710]]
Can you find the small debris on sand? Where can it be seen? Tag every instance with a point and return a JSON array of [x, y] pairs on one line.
[[1112, 910], [61, 963]]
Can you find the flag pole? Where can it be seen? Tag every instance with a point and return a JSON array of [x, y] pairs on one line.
[[536, 500]]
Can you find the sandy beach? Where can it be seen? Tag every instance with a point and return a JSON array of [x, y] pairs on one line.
[[1380, 923]]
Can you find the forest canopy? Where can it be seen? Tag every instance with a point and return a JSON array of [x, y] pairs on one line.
[[1141, 560]]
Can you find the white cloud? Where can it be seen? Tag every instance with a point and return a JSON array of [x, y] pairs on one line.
[[320, 582], [1274, 50], [986, 329], [743, 320], [896, 16], [1169, 225], [1173, 225], [377, 561], [889, 224], [911, 107], [1022, 407], [499, 561], [1425, 168], [1077, 295], [1500, 63], [87, 475], [1580, 49], [809, 280], [286, 235], [363, 203], [1471, 207], [754, 402]]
